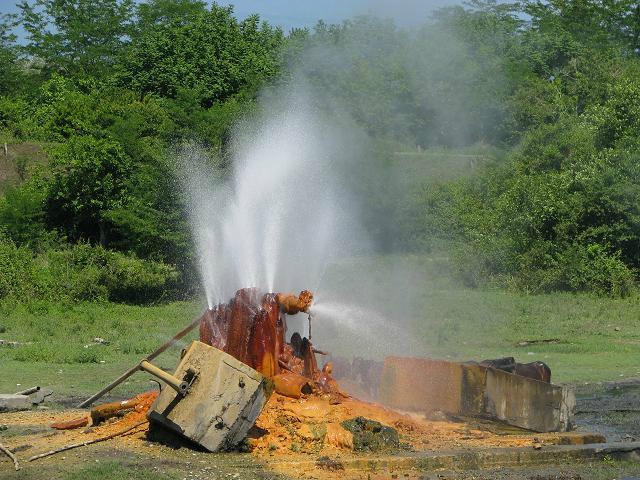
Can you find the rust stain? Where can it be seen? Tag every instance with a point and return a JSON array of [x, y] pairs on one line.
[[252, 328]]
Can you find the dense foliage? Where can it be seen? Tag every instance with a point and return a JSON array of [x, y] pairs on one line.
[[562, 211], [545, 94]]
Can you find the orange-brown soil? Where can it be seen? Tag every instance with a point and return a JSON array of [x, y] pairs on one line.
[[286, 426], [288, 432], [42, 437], [313, 425]]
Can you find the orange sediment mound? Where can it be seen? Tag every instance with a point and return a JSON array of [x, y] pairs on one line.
[[313, 425]]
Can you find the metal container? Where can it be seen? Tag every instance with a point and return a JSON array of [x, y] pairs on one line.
[[221, 402]]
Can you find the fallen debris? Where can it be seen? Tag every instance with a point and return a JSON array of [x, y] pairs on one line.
[[40, 395], [108, 410], [71, 424], [524, 343], [28, 391], [10, 454], [371, 436], [12, 402], [89, 442]]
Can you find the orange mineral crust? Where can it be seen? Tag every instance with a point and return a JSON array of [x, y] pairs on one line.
[[252, 328], [249, 327], [312, 425]]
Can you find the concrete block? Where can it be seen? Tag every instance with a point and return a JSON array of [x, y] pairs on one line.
[[472, 391], [12, 402], [468, 389], [223, 403], [527, 403], [422, 385], [38, 397]]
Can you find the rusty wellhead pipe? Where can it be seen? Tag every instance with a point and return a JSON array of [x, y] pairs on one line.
[[179, 386]]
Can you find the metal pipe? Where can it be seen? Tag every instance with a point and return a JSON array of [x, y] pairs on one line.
[[178, 385], [133, 370]]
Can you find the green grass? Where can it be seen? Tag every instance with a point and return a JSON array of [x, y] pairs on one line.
[[93, 467], [418, 309], [98, 471], [114, 471], [59, 352], [426, 312]]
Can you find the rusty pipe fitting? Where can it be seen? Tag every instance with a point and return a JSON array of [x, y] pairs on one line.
[[292, 385], [291, 303]]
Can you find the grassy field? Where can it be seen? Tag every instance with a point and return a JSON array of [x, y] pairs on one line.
[[58, 351], [388, 305], [413, 307], [422, 310]]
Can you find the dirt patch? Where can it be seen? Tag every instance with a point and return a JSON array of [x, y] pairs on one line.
[[610, 408], [289, 431], [17, 166]]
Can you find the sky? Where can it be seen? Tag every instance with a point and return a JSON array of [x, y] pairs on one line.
[[305, 13], [300, 13]]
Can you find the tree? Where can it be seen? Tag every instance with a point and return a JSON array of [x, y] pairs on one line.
[[10, 73], [213, 54], [88, 178], [594, 22], [157, 12], [76, 36]]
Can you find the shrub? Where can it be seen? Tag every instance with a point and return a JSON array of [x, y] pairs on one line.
[[82, 273], [592, 268], [18, 278], [89, 176], [22, 217], [95, 273]]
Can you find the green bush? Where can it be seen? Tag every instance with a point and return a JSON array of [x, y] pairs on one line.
[[89, 177], [82, 273], [593, 269], [95, 273], [18, 277], [22, 217]]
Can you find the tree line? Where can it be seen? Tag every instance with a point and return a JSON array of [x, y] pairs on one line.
[[108, 87]]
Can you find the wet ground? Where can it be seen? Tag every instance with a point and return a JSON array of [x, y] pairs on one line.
[[610, 408]]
